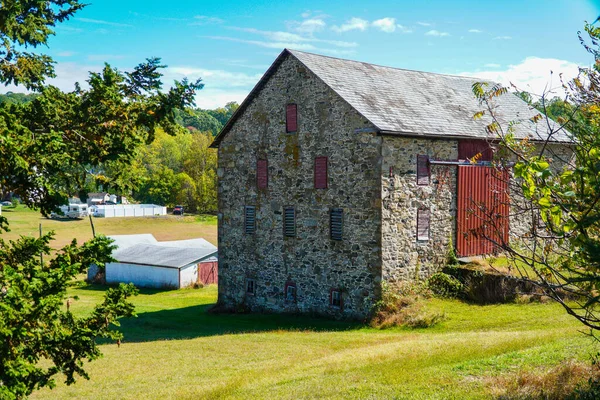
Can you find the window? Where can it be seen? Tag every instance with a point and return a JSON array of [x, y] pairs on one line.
[[423, 220], [321, 173], [422, 170], [262, 174], [289, 222], [336, 219], [250, 286], [335, 298], [290, 292], [291, 118], [249, 220]]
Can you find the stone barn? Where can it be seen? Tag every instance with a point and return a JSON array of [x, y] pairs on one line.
[[337, 175]]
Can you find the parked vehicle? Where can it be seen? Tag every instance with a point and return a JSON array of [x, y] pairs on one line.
[[6, 203], [178, 210], [73, 211]]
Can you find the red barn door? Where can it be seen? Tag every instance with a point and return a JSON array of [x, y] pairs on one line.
[[483, 207], [208, 273]]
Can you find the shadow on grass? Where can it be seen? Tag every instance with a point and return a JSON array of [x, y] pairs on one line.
[[195, 321], [93, 287]]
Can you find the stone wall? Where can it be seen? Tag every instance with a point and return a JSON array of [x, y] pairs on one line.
[[404, 257], [316, 264]]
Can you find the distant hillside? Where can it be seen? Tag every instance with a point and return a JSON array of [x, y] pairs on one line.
[[17, 98]]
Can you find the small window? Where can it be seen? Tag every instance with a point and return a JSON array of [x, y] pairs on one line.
[[423, 221], [336, 219], [250, 286], [422, 170], [290, 292], [289, 222], [249, 220], [335, 298], [321, 173], [262, 174], [291, 118]]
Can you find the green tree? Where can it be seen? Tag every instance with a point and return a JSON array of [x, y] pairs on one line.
[[51, 147], [558, 195]]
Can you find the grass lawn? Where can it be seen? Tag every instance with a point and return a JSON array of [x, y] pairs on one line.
[[24, 221], [174, 349]]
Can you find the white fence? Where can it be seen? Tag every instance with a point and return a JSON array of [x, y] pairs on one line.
[[128, 210]]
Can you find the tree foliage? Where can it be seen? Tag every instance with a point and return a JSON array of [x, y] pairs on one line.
[[179, 169], [27, 24], [558, 195], [51, 147]]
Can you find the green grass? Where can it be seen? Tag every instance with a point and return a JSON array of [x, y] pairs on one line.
[[174, 349], [24, 221]]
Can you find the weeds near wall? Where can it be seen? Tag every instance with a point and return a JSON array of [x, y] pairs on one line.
[[403, 305]]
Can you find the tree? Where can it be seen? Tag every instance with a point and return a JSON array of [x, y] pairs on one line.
[[26, 24], [51, 147], [558, 195]]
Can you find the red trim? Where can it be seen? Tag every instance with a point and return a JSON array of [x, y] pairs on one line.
[[287, 285], [423, 170], [321, 173], [291, 118], [262, 174]]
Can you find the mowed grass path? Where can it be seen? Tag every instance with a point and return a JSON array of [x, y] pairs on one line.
[[174, 349], [170, 227]]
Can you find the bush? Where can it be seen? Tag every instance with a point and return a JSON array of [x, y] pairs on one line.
[[444, 285], [15, 202], [403, 305]]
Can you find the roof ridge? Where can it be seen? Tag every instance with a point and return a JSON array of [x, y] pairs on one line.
[[383, 66]]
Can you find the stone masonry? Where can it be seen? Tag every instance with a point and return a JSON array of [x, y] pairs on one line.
[[371, 176]]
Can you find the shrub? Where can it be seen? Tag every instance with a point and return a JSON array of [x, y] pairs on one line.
[[451, 258], [15, 202], [444, 285], [403, 305]]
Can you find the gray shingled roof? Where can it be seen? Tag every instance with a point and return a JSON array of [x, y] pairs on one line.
[[405, 102], [163, 256], [126, 241]]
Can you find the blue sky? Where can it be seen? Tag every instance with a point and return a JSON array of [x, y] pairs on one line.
[[231, 44]]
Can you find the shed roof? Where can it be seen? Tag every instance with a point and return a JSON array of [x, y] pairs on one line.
[[162, 256], [125, 241], [411, 103]]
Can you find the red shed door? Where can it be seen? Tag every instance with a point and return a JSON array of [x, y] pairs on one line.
[[483, 207], [208, 273]]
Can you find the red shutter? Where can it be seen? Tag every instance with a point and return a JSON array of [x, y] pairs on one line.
[[422, 170], [423, 221], [262, 174], [291, 118], [321, 173], [475, 149]]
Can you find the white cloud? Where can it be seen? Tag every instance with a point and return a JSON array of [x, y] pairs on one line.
[[434, 32], [352, 24], [102, 22], [288, 37], [424, 23], [404, 29], [309, 26], [283, 44], [475, 31], [65, 54], [502, 38], [533, 74], [385, 24], [205, 20]]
